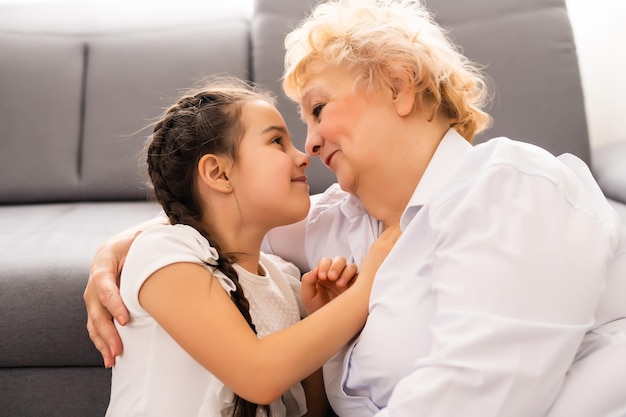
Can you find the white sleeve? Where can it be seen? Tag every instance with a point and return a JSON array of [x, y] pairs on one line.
[[519, 267], [157, 247]]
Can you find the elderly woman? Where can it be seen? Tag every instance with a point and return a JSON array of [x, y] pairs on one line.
[[505, 294]]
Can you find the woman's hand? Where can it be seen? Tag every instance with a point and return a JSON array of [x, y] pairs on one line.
[[102, 294], [102, 297], [326, 281]]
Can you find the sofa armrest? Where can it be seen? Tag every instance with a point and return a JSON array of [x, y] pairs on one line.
[[609, 168]]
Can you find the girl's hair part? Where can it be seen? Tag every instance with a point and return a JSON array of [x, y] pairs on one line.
[[205, 120], [379, 38]]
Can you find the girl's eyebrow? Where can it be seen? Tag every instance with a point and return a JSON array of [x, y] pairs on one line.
[[281, 129]]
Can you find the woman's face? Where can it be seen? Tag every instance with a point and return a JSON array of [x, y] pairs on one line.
[[347, 128], [269, 175]]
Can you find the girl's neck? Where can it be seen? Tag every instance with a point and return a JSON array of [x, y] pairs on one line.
[[243, 243], [250, 263]]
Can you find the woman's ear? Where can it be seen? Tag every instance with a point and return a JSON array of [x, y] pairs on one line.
[[213, 171], [403, 94]]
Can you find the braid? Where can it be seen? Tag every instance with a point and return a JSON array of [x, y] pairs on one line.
[[198, 124], [225, 264]]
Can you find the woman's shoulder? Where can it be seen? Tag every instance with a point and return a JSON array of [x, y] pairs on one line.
[[334, 205], [536, 175], [521, 155], [329, 199], [287, 268]]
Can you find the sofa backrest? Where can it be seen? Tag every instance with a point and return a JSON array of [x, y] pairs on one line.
[[76, 95], [78, 91]]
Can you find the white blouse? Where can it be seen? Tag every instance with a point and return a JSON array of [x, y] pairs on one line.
[[508, 282]]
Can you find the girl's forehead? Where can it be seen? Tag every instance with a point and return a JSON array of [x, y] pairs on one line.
[[260, 116]]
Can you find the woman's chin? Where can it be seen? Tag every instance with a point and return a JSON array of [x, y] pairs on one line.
[[347, 184]]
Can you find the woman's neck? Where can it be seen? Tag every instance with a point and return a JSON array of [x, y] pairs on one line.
[[391, 187]]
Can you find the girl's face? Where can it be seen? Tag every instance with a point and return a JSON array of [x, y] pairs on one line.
[[348, 128], [269, 176]]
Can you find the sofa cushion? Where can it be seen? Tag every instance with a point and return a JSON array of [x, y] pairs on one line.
[[99, 77], [45, 257], [610, 170], [55, 391]]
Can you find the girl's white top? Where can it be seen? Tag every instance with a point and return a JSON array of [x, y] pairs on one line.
[[154, 376]]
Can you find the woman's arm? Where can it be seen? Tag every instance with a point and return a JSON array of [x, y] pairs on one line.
[[190, 304], [102, 295]]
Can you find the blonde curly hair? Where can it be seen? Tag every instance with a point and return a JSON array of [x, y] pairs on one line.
[[378, 38]]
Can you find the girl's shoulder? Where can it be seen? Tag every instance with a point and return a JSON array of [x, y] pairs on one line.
[[163, 245], [167, 239]]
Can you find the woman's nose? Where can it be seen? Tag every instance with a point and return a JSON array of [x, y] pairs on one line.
[[313, 143]]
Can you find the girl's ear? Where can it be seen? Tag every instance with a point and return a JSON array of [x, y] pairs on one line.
[[213, 171], [403, 94]]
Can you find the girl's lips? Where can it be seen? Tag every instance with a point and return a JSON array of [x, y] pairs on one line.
[[299, 179]]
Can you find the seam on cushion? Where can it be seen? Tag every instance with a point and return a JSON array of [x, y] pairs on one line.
[[82, 113]]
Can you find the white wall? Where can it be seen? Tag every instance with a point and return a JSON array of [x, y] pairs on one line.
[[600, 32]]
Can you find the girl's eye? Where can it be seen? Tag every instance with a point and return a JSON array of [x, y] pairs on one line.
[[278, 140], [317, 109]]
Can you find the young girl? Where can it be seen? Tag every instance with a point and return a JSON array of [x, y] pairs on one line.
[[215, 326]]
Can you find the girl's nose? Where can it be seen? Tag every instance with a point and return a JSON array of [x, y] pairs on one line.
[[302, 159]]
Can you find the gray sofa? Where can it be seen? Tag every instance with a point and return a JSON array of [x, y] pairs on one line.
[[78, 86]]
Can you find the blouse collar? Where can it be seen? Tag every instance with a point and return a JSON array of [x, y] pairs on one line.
[[451, 151]]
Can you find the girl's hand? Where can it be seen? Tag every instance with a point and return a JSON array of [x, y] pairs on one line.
[[326, 281]]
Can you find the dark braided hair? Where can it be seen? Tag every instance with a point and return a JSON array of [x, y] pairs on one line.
[[204, 121]]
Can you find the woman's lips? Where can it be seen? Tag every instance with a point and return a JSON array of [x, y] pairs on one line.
[[328, 160]]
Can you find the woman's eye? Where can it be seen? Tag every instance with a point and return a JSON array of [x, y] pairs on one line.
[[317, 109]]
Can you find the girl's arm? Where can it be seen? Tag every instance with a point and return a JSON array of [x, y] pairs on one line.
[[329, 279], [102, 296], [190, 304]]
